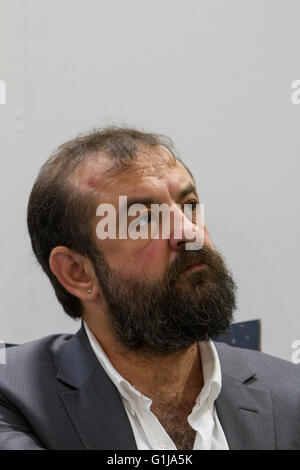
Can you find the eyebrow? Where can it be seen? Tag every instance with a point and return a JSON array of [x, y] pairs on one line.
[[149, 200]]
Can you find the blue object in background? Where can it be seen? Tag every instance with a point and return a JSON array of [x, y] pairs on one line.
[[243, 335]]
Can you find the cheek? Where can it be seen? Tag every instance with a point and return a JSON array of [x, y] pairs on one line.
[[151, 252], [136, 257], [149, 260], [145, 258], [154, 258]]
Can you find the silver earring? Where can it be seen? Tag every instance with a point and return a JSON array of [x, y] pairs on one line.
[[90, 291]]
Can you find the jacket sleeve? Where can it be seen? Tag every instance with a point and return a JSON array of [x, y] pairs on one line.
[[15, 433]]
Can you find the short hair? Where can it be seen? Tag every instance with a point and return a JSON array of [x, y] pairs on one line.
[[59, 213]]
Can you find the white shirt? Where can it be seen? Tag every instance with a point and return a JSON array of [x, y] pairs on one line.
[[148, 432]]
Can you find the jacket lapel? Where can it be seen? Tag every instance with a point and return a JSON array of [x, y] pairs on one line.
[[244, 409], [92, 401]]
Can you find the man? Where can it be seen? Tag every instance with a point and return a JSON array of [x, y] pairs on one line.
[[143, 371]]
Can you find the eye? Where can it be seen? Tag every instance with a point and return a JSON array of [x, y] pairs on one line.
[[144, 219], [189, 208], [191, 205]]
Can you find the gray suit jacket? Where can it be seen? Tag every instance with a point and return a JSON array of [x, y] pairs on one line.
[[54, 394]]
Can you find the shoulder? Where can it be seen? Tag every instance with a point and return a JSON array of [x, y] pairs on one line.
[[269, 384], [47, 346], [29, 359], [269, 371], [256, 359]]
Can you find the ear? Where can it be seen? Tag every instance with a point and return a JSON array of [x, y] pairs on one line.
[[74, 271]]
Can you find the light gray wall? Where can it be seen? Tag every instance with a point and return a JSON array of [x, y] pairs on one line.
[[213, 75]]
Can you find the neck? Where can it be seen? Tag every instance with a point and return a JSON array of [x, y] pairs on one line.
[[174, 378]]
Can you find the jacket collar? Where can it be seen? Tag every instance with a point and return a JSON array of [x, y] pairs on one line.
[[77, 360]]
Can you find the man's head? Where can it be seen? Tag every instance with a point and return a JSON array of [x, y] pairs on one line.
[[153, 302]]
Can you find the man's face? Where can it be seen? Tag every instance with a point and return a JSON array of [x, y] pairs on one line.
[[157, 303]]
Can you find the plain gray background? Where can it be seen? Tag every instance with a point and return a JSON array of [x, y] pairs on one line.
[[216, 77]]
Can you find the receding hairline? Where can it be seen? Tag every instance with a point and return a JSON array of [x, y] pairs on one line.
[[85, 170], [85, 174], [122, 146]]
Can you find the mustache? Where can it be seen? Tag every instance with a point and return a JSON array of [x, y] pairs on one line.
[[187, 258]]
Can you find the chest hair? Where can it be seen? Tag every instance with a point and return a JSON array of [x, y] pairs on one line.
[[175, 423]]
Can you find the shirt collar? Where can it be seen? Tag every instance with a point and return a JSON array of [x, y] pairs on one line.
[[211, 370]]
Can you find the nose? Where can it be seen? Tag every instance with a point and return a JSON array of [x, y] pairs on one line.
[[185, 233]]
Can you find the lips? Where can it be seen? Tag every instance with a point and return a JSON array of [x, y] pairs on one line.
[[194, 264]]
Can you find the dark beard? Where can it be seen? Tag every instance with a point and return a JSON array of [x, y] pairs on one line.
[[171, 314]]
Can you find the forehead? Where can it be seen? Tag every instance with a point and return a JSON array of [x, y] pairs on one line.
[[154, 170]]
